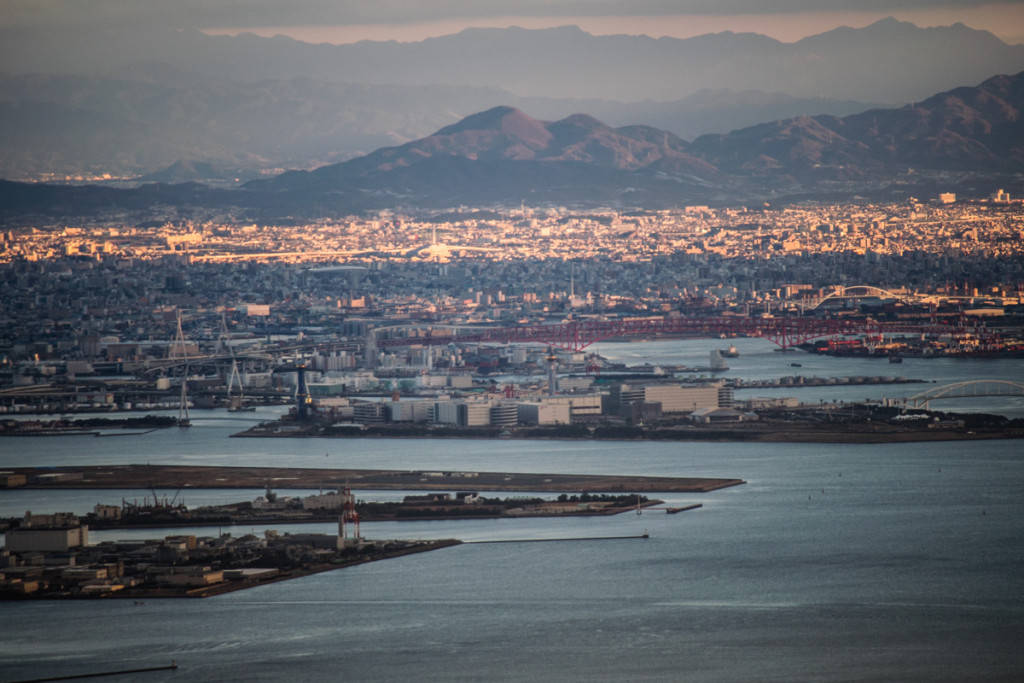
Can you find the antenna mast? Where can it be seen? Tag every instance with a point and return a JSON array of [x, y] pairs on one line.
[[183, 417]]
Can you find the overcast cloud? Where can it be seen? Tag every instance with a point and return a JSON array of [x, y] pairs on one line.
[[213, 14]]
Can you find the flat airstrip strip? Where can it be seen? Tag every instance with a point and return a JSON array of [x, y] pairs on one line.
[[175, 476]]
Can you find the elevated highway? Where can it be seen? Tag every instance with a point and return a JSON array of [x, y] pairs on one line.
[[576, 335]]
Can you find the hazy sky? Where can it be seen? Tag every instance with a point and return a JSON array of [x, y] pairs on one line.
[[407, 20]]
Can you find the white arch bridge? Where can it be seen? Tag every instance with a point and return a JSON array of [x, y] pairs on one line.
[[969, 388], [860, 292]]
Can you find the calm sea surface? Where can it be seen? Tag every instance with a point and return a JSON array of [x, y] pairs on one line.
[[833, 562]]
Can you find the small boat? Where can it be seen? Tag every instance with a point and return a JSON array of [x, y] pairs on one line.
[[795, 365], [895, 359]]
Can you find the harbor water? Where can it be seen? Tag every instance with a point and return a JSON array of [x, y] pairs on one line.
[[833, 562]]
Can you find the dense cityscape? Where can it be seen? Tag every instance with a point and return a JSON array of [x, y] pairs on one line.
[[322, 309], [485, 266]]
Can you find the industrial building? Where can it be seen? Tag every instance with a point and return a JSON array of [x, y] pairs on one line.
[[674, 398], [543, 413], [46, 540]]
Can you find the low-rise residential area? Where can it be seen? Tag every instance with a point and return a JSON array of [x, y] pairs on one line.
[[193, 314]]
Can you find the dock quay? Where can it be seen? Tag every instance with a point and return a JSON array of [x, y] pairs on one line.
[[644, 535], [675, 510]]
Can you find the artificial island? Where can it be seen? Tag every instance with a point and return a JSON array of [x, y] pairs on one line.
[[49, 556]]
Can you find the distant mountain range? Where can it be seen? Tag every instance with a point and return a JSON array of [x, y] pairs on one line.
[[968, 129], [131, 103], [888, 61], [502, 156], [93, 125]]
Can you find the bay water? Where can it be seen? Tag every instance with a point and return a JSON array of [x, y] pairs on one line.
[[833, 562]]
